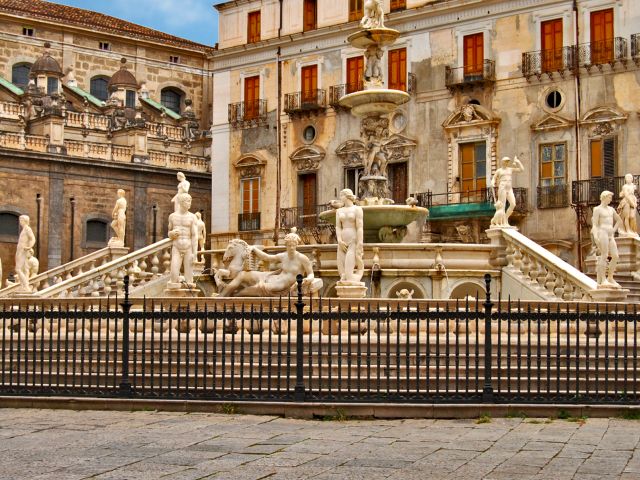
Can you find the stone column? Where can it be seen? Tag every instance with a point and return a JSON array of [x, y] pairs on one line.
[[55, 220]]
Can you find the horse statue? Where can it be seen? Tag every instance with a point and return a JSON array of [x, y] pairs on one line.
[[373, 14], [237, 258]]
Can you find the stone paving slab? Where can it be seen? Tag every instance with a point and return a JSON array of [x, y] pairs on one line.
[[70, 445]]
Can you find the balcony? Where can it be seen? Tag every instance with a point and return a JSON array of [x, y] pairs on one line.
[[336, 92], [248, 114], [248, 222], [553, 196], [635, 48], [606, 52], [305, 102], [587, 192], [301, 217], [470, 75], [470, 204], [548, 62]]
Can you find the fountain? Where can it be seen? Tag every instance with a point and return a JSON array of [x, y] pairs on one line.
[[383, 221]]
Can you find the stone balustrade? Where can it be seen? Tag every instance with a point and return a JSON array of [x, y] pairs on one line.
[[87, 120], [11, 110], [162, 130], [178, 161]]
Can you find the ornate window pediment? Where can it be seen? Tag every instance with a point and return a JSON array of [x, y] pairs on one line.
[[603, 120], [351, 153], [552, 121], [470, 115], [399, 147], [251, 165], [307, 158]]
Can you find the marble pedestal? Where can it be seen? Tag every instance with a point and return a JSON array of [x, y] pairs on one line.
[[351, 289], [609, 294], [181, 290], [198, 268]]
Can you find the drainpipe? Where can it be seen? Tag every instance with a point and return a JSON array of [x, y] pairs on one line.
[[73, 224], [576, 74], [276, 230], [38, 212], [154, 237]]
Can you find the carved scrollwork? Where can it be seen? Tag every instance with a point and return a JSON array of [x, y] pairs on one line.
[[250, 166], [307, 158], [351, 153]]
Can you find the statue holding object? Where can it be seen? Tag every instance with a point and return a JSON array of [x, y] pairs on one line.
[[604, 223], [26, 241], [503, 179], [373, 15]]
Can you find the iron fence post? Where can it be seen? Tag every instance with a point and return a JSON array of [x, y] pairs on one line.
[[487, 391], [125, 384], [300, 389]]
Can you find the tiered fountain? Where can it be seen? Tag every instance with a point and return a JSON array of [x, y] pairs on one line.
[[383, 221]]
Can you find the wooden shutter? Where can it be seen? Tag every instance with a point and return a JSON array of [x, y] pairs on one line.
[[309, 76], [398, 5], [398, 69], [308, 183], [253, 27], [310, 15], [609, 157], [355, 10], [251, 195], [251, 97], [602, 36], [473, 54], [355, 73], [398, 181], [596, 158], [467, 170], [551, 45]]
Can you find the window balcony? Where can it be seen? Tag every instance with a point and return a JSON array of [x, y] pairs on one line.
[[248, 222], [305, 102], [587, 192], [470, 75], [606, 52], [553, 196], [301, 217], [635, 48], [248, 114], [336, 92], [548, 62]]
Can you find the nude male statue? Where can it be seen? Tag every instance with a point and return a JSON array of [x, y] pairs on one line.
[[26, 241], [183, 187], [119, 221], [183, 231], [605, 221], [202, 233], [503, 179], [627, 207]]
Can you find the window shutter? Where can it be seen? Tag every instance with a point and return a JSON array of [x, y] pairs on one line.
[[609, 157]]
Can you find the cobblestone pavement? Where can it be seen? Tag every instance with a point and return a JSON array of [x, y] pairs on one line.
[[68, 445]]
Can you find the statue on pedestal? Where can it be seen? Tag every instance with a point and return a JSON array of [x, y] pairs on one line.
[[349, 233], [604, 223], [373, 72], [183, 231], [119, 222], [202, 234], [33, 264], [26, 241], [373, 14], [503, 179], [183, 187], [627, 208]]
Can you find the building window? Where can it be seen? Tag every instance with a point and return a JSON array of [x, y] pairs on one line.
[[249, 218], [310, 15], [473, 46], [398, 69], [352, 178], [130, 99], [603, 157], [397, 173], [104, 46], [307, 199], [551, 31], [253, 27], [52, 85], [171, 99], [355, 74], [251, 97], [552, 191], [309, 80], [174, 59], [28, 31], [398, 5], [9, 227], [473, 169], [20, 74], [96, 233], [98, 88], [602, 36], [355, 10]]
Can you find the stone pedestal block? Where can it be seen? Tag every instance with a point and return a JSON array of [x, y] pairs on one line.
[[609, 294], [351, 289]]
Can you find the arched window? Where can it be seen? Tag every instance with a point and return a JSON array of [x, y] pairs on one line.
[[98, 88], [20, 74], [96, 233], [9, 227], [171, 98]]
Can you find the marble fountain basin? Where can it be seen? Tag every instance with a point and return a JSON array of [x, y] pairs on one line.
[[384, 223], [377, 101]]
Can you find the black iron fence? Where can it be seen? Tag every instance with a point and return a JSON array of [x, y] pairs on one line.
[[553, 196], [602, 52], [305, 101], [548, 61], [246, 114], [300, 217], [248, 221], [470, 74], [484, 195], [635, 47], [587, 192], [321, 350]]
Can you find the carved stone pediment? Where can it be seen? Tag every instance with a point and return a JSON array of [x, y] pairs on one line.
[[399, 147], [351, 153], [603, 114], [552, 121], [470, 115], [250, 165], [307, 158]]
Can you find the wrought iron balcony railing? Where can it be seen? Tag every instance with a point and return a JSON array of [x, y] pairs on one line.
[[248, 221], [247, 114], [635, 47], [548, 62], [470, 75], [553, 196], [597, 54], [305, 101], [301, 217], [336, 92], [485, 196], [587, 192]]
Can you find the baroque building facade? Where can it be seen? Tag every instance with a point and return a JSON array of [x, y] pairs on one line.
[[90, 104], [554, 82]]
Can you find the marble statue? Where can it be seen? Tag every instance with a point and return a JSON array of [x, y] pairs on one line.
[[202, 233], [627, 208], [349, 233], [183, 230], [373, 14], [26, 241], [405, 294], [503, 179], [604, 223], [119, 222], [373, 72], [183, 187], [32, 264], [253, 283], [498, 219]]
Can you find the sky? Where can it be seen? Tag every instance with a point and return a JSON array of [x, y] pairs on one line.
[[195, 20]]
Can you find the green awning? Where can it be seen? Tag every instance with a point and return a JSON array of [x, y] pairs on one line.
[[16, 90], [162, 108], [461, 210], [96, 101]]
